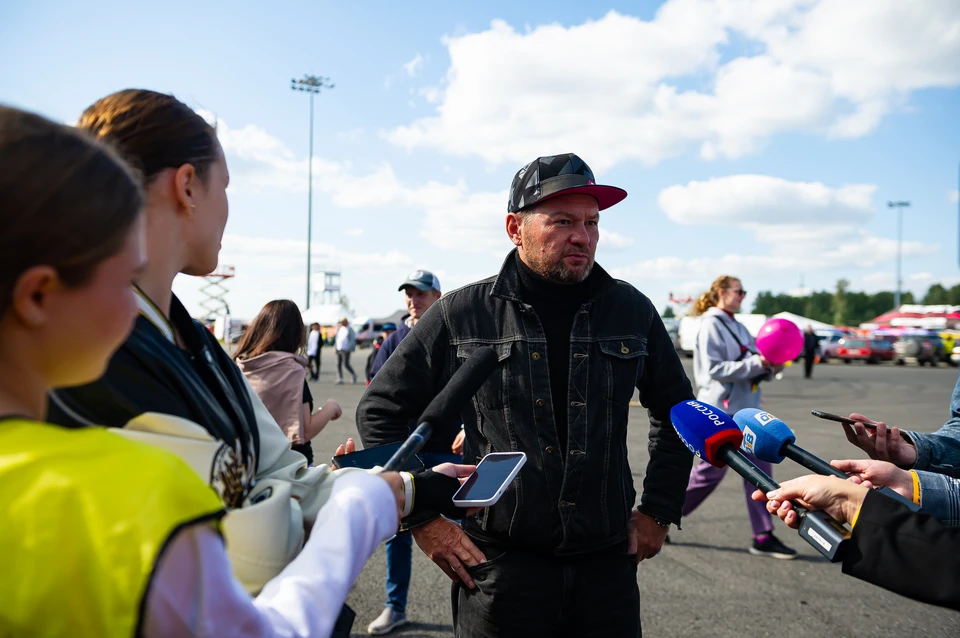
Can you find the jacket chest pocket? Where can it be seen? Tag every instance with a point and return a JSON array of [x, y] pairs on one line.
[[493, 393], [623, 361]]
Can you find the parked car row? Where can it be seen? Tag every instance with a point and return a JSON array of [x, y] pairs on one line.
[[849, 350], [913, 349]]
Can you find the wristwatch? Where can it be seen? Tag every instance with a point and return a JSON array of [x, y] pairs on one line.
[[662, 522]]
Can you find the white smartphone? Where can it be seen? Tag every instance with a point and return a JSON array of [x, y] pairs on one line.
[[487, 484]]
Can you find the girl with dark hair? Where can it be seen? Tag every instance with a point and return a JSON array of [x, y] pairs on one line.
[[103, 535], [171, 383], [269, 354]]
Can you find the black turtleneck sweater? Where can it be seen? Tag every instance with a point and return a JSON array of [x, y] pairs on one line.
[[556, 306]]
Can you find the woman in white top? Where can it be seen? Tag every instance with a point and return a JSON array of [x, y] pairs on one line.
[[728, 371]]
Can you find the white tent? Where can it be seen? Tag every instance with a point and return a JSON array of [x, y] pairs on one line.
[[326, 315], [803, 322]]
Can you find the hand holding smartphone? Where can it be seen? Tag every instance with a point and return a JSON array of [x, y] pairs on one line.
[[487, 484]]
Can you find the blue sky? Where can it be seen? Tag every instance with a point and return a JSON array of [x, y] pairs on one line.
[[760, 138]]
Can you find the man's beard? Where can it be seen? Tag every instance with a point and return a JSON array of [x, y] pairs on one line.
[[559, 273]]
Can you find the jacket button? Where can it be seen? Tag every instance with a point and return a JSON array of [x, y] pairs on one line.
[[548, 449], [535, 356], [624, 349], [540, 403]]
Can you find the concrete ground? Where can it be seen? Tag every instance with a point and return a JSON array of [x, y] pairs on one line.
[[705, 583]]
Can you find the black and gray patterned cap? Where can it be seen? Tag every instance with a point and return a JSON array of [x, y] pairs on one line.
[[548, 177]]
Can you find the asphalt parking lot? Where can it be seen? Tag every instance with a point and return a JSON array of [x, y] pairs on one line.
[[705, 583]]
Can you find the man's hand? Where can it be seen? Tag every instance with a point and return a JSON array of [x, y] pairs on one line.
[[446, 544], [872, 474], [885, 444], [457, 446], [838, 498], [645, 536]]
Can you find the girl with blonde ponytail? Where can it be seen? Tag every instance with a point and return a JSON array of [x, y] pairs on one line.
[[710, 298], [728, 370]]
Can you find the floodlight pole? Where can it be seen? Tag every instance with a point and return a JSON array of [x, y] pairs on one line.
[[312, 85], [899, 206]]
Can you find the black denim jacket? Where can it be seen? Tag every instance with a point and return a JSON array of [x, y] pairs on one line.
[[578, 503]]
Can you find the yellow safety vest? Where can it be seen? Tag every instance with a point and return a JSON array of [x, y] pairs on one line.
[[84, 517]]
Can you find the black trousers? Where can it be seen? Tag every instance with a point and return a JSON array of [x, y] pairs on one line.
[[343, 361], [808, 365], [520, 595], [314, 360]]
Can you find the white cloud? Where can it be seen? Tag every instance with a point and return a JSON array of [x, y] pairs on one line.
[[354, 232], [453, 218], [762, 199], [612, 241], [953, 196], [269, 269], [412, 68], [830, 67], [796, 227]]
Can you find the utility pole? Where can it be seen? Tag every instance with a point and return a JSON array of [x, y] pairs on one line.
[[899, 206], [312, 85]]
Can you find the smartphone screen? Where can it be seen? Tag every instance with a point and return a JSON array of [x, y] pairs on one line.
[[494, 470], [374, 457]]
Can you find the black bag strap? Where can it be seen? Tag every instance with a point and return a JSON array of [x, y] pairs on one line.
[[221, 382], [744, 350]]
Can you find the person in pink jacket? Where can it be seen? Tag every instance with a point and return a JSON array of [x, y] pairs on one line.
[[270, 354]]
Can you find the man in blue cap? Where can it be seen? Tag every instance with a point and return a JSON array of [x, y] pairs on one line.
[[421, 289]]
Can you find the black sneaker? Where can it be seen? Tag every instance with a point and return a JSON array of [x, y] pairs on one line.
[[773, 548]]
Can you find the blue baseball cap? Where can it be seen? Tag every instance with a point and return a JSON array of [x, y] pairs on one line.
[[421, 280]]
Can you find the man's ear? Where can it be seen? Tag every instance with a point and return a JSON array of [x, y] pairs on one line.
[[30, 300], [514, 225]]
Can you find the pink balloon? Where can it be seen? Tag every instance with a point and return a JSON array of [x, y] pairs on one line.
[[779, 340]]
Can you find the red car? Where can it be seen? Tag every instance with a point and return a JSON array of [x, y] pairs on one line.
[[862, 350]]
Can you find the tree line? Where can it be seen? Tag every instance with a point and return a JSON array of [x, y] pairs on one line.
[[844, 307]]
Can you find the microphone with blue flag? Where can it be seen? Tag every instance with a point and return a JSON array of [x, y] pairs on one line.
[[769, 439], [712, 434]]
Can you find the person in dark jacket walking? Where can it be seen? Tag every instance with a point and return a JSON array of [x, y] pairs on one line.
[[388, 329], [810, 347], [557, 555]]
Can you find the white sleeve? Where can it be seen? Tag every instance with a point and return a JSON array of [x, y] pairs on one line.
[[194, 593]]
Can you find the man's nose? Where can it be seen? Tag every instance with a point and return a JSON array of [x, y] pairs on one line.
[[579, 236]]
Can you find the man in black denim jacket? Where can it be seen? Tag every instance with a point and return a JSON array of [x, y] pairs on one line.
[[557, 554]]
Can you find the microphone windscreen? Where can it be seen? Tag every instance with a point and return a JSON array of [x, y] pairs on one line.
[[763, 434], [461, 387], [704, 429]]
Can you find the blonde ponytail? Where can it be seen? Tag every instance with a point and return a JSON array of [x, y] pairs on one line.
[[710, 298]]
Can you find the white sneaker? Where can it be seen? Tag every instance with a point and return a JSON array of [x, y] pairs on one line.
[[339, 381], [387, 622]]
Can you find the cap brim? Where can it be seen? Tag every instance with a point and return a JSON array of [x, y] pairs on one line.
[[417, 285], [606, 196]]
